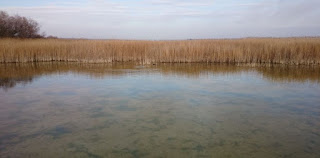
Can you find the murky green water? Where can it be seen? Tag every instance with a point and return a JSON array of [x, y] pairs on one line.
[[168, 110]]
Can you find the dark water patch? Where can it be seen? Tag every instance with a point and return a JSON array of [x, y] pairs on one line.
[[301, 110], [96, 109], [58, 131], [125, 108], [316, 134], [103, 125], [7, 138], [240, 95], [109, 123], [61, 93], [195, 102], [27, 102], [14, 114], [214, 143], [58, 103], [236, 144], [313, 142], [198, 148], [155, 121], [135, 153], [14, 139], [212, 130], [65, 93], [80, 148], [198, 122], [191, 141], [257, 131], [102, 102], [170, 121], [98, 112], [276, 145], [309, 149], [95, 138], [170, 139], [153, 129], [310, 123]]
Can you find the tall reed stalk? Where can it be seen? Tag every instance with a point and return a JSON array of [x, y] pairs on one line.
[[293, 51]]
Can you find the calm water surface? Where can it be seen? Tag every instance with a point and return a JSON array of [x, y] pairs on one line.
[[168, 110]]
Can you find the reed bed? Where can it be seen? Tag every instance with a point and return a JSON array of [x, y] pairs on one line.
[[295, 51]]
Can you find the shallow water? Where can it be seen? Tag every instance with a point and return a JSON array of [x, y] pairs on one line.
[[166, 110]]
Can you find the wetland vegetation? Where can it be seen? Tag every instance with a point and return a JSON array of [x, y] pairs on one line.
[[292, 51]]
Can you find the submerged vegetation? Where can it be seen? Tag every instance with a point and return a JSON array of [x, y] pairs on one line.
[[64, 109], [293, 51]]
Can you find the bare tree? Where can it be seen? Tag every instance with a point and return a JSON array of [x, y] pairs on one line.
[[4, 17], [18, 26]]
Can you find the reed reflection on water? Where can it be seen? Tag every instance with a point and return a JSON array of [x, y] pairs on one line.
[[164, 110], [11, 74]]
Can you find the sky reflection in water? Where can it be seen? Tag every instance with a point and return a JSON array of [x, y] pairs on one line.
[[166, 110]]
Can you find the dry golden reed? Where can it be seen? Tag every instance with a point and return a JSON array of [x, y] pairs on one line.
[[294, 51]]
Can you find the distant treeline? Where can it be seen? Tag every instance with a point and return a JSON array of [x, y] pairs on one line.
[[292, 51], [18, 27]]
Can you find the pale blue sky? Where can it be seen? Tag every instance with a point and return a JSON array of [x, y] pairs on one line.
[[171, 19]]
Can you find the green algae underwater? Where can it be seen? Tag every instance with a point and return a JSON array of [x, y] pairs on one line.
[[165, 110]]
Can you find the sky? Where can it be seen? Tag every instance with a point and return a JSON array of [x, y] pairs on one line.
[[170, 19]]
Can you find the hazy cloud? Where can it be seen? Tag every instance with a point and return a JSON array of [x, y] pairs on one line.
[[174, 19]]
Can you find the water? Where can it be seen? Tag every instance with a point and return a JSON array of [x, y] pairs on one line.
[[167, 110]]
